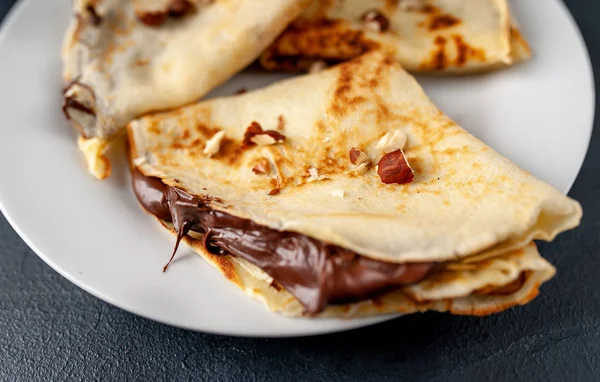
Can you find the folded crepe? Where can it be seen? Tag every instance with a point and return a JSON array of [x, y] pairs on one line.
[[126, 58], [428, 36], [348, 193]]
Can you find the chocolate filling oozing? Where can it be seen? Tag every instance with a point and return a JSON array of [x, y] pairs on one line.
[[316, 273]]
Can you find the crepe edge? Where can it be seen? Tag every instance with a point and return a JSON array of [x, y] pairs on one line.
[[94, 150]]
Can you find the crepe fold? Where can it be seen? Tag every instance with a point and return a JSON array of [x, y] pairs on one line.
[[122, 59], [468, 208], [460, 288], [425, 36]]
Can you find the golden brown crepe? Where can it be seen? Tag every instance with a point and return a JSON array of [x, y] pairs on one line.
[[126, 58], [467, 208], [425, 36]]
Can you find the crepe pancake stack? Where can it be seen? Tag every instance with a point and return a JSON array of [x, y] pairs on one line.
[[348, 193], [433, 36]]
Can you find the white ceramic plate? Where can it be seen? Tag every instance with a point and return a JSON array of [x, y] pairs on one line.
[[96, 235]]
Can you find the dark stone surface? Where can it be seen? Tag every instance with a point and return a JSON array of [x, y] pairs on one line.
[[50, 329]]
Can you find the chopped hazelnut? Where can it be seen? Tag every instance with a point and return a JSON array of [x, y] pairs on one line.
[[262, 167], [263, 140], [255, 135], [314, 175], [213, 145], [280, 123], [375, 21], [362, 168], [391, 141], [357, 157], [394, 168]]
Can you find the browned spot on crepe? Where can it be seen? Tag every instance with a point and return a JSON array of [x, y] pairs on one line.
[[438, 60], [141, 62], [428, 8], [465, 52], [323, 7], [231, 151], [153, 129], [390, 6], [206, 131], [305, 42], [442, 21], [441, 59]]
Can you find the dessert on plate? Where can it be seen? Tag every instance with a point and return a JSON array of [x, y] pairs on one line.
[[347, 192]]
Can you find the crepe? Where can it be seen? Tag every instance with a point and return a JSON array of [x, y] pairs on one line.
[[122, 59], [425, 36], [465, 206]]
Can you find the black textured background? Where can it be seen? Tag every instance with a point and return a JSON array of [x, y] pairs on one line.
[[52, 330]]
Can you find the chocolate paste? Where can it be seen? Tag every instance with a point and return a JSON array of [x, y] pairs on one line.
[[72, 103], [316, 273]]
